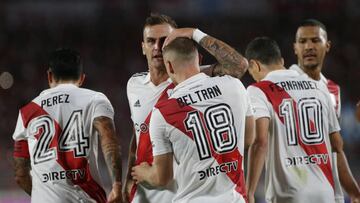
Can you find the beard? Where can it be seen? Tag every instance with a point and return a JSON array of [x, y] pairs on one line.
[[311, 66], [159, 66]]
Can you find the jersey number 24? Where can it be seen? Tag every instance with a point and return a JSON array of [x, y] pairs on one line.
[[72, 137]]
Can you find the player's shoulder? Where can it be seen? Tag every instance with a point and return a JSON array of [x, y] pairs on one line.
[[332, 85], [227, 80], [86, 94], [138, 78], [258, 89]]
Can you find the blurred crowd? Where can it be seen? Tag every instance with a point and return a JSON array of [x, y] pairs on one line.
[[108, 34]]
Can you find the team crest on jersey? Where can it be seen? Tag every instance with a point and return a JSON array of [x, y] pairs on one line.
[[144, 128]]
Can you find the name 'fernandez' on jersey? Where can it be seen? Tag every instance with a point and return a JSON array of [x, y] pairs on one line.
[[203, 123], [298, 162]]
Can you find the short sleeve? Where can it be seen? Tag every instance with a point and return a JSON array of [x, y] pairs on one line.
[[258, 102], [159, 139], [334, 125], [102, 107], [128, 90], [21, 148], [20, 130], [246, 99], [250, 108]]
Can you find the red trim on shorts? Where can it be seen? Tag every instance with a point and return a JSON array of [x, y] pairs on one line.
[[66, 159], [21, 149], [175, 115], [275, 95]]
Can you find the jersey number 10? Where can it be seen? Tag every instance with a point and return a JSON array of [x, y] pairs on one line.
[[220, 122], [311, 130]]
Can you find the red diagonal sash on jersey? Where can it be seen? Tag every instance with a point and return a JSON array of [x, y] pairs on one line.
[[66, 159], [144, 148], [175, 115], [275, 96]]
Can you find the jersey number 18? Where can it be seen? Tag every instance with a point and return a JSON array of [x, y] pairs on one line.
[[220, 122]]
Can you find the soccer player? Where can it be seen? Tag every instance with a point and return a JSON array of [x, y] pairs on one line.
[[202, 127], [311, 46], [144, 90], [296, 131], [57, 135]]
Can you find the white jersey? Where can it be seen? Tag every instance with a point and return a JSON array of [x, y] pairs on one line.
[[143, 95], [203, 124], [334, 89], [298, 162], [56, 132], [334, 92]]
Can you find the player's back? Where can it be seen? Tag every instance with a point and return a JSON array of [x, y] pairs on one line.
[[298, 165], [63, 145], [206, 123]]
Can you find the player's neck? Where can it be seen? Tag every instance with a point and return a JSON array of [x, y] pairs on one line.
[[61, 82], [157, 76], [186, 75], [314, 74]]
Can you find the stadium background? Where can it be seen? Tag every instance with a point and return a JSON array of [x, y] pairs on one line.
[[108, 34]]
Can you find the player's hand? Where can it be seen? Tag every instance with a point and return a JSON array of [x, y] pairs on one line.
[[181, 32], [139, 172], [357, 111], [127, 190], [355, 199], [115, 194]]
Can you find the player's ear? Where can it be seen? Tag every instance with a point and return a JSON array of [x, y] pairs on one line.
[[200, 58], [294, 47], [50, 77], [143, 48], [282, 61], [81, 79], [169, 67], [328, 46], [256, 65]]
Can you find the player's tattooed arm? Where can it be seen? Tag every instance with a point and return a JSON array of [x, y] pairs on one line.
[[111, 150], [229, 61], [22, 174], [110, 145]]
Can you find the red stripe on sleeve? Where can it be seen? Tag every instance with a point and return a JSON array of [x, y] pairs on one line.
[[21, 149], [275, 96]]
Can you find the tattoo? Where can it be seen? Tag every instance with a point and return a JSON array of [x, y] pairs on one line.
[[110, 146], [230, 62], [22, 174]]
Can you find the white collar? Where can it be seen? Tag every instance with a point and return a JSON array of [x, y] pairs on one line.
[[296, 68]]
